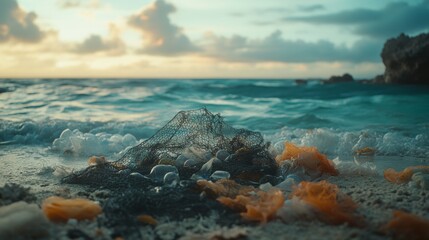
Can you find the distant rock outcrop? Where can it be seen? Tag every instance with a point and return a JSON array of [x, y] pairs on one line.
[[406, 60], [301, 82], [339, 79]]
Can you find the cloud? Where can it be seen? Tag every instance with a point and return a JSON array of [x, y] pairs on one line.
[[311, 8], [276, 49], [89, 4], [15, 24], [393, 19], [95, 43], [161, 37]]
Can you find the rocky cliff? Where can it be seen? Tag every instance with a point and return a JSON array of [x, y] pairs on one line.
[[406, 59]]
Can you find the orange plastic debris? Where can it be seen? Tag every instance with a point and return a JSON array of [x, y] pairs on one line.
[[366, 151], [307, 157], [147, 219], [94, 160], [261, 206], [223, 188], [254, 203], [335, 207], [58, 209], [405, 175], [407, 226]]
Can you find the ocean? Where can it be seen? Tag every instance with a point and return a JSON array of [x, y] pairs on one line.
[[65, 119]]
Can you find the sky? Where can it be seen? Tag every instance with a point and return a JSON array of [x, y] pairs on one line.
[[201, 38]]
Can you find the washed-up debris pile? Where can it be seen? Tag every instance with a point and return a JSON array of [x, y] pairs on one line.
[[197, 163], [194, 144]]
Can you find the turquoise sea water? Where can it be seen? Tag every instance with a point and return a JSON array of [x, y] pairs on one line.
[[106, 116]]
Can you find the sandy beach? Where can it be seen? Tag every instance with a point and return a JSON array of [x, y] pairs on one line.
[[376, 199]]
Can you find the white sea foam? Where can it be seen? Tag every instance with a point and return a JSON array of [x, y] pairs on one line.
[[86, 144], [340, 143]]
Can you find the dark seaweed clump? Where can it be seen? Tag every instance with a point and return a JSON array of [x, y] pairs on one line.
[[12, 192]]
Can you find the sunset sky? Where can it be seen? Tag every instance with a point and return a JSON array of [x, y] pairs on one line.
[[201, 38]]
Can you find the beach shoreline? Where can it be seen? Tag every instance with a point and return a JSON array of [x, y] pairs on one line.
[[33, 167]]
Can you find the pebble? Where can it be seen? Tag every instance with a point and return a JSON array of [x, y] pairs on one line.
[[207, 168], [180, 160], [222, 154], [220, 175], [23, 221], [171, 179], [191, 163], [159, 171]]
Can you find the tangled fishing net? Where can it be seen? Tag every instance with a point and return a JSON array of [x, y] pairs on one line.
[[194, 142]]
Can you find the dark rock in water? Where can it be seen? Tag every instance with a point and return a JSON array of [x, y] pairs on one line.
[[379, 79], [406, 59], [339, 79], [301, 82]]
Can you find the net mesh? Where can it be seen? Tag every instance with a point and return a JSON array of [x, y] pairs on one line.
[[198, 133]]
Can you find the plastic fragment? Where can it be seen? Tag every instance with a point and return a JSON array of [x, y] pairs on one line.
[[261, 206], [58, 209], [95, 160], [254, 204], [405, 175], [334, 207], [407, 226], [366, 151], [223, 188], [307, 157]]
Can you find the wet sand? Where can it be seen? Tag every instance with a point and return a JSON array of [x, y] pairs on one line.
[[33, 167]]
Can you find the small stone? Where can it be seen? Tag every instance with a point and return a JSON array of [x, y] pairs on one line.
[[222, 154], [21, 220], [191, 163], [220, 175], [180, 160], [171, 179], [208, 167], [159, 171]]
